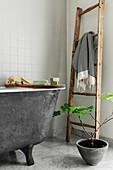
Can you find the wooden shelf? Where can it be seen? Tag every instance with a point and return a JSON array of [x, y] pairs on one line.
[[47, 86]]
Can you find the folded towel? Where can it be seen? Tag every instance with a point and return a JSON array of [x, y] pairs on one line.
[[83, 61]]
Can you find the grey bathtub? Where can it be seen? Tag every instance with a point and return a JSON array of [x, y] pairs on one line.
[[25, 116]]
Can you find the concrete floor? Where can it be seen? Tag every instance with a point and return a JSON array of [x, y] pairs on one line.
[[54, 154]]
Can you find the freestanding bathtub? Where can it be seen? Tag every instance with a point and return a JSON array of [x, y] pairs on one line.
[[25, 116]]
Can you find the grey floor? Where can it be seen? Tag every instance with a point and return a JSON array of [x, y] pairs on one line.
[[54, 154]]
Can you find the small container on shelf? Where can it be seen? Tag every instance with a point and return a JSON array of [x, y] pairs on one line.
[[40, 82], [54, 80]]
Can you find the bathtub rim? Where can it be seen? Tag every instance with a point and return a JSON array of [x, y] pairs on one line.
[[4, 89]]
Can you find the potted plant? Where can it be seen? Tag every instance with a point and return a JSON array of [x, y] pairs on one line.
[[92, 150]]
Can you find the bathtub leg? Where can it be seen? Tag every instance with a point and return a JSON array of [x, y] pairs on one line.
[[28, 154]]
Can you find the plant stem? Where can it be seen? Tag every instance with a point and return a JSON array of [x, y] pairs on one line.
[[94, 118], [92, 139], [84, 128], [105, 121], [77, 133]]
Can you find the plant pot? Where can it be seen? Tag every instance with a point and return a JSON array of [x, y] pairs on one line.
[[92, 154]]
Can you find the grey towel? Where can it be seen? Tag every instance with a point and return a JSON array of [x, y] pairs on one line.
[[83, 61]]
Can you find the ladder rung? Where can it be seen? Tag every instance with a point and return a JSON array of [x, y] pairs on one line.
[[85, 94], [85, 125], [95, 35], [89, 9]]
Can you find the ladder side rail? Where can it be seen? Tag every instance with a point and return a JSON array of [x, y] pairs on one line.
[[99, 63], [72, 75]]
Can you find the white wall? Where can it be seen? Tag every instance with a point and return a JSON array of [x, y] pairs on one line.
[[33, 41], [89, 22]]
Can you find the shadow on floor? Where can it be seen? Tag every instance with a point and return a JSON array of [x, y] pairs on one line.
[[65, 161], [10, 158], [73, 161]]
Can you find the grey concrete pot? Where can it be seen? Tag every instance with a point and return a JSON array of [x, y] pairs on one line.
[[92, 156]]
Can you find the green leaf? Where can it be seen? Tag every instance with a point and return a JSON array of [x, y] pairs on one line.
[[83, 113], [106, 93], [91, 107], [72, 109], [87, 108], [66, 105], [82, 109], [83, 120], [56, 113], [79, 114], [63, 108], [82, 106], [105, 97], [78, 107]]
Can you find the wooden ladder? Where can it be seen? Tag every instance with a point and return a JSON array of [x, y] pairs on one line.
[[79, 13]]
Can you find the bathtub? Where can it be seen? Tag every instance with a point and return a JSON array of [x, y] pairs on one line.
[[25, 116]]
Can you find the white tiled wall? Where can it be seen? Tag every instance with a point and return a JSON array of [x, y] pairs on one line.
[[32, 39]]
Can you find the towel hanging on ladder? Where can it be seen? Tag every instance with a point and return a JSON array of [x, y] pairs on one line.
[[83, 61]]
